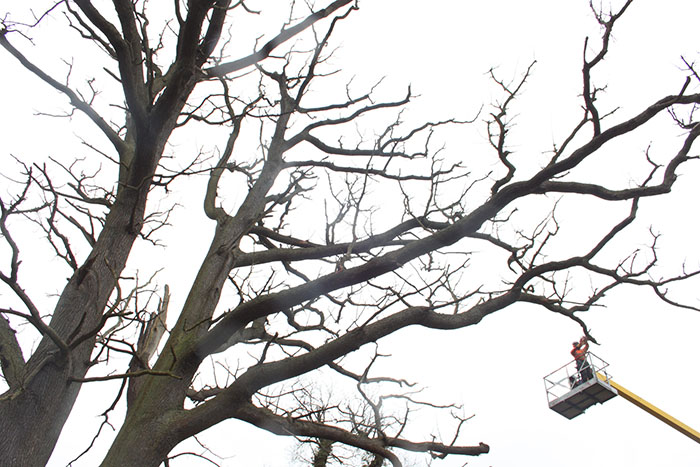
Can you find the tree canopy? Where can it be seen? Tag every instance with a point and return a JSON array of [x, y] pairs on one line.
[[335, 218]]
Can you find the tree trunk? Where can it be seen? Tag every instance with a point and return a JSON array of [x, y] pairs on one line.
[[142, 441], [41, 405], [321, 455]]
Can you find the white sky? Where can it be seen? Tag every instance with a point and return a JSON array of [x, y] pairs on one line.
[[443, 49]]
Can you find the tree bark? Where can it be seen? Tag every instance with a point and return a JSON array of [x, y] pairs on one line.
[[322, 453], [43, 401]]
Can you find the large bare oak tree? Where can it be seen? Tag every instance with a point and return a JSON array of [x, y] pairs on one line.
[[334, 224]]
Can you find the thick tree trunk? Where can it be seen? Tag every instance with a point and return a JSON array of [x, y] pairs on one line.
[[144, 440], [32, 416], [37, 415]]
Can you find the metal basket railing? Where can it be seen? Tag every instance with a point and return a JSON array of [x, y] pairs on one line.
[[565, 379]]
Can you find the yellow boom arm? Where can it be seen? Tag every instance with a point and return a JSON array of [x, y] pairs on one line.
[[653, 410]]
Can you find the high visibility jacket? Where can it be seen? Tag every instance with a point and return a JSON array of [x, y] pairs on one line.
[[578, 353]]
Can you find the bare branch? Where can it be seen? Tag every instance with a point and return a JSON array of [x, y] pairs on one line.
[[75, 100], [265, 51]]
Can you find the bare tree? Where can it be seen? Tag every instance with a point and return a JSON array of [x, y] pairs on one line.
[[365, 415], [335, 224]]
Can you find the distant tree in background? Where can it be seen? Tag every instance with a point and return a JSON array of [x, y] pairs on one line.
[[333, 225]]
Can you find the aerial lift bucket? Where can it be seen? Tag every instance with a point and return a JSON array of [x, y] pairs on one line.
[[573, 388], [570, 390]]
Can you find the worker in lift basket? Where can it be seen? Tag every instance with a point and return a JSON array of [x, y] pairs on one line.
[[579, 353]]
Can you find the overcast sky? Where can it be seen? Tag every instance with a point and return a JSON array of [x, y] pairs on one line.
[[443, 50]]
